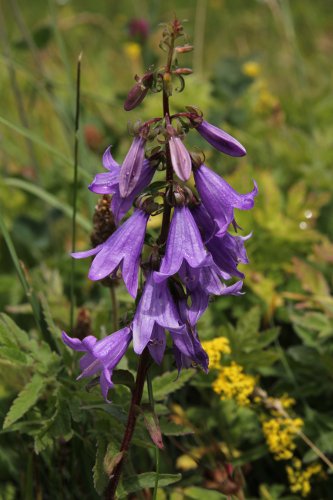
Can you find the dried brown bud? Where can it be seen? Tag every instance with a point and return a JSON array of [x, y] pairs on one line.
[[82, 327]]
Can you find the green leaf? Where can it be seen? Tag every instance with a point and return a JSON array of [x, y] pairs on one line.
[[99, 474], [170, 382], [10, 334], [25, 400], [132, 484], [123, 377], [196, 493], [169, 428]]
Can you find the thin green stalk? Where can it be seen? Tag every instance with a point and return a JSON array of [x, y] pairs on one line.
[[18, 266], [157, 451], [74, 202]]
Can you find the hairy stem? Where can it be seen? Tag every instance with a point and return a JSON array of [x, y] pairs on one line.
[[131, 421]]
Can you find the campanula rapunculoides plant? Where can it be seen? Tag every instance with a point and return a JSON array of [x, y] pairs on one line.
[[194, 255]]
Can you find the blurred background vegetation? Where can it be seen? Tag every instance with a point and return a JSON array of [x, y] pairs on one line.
[[263, 71]]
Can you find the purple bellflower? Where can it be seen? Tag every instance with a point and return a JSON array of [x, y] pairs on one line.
[[122, 249], [156, 307], [227, 250], [131, 167], [220, 199], [208, 280], [184, 244], [220, 140], [180, 158], [101, 356], [108, 183]]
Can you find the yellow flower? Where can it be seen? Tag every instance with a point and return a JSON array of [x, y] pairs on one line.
[[299, 480], [132, 50], [232, 383], [279, 434], [214, 348], [251, 69]]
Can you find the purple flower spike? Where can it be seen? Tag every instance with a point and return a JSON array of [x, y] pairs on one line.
[[132, 166], [122, 249], [220, 140], [101, 355], [184, 244], [220, 199], [119, 205], [156, 306], [180, 158]]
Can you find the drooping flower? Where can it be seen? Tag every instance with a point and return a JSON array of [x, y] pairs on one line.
[[188, 350], [184, 244], [101, 356], [220, 199], [227, 250], [180, 158], [108, 183], [157, 343], [220, 140], [207, 280], [131, 167], [156, 307], [122, 249]]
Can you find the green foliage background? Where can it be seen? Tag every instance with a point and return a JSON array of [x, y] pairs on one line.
[[52, 426]]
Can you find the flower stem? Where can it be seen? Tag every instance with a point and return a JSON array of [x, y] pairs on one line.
[[131, 421], [75, 179]]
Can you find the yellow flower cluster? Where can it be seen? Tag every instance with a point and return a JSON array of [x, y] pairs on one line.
[[279, 434], [299, 479], [214, 348], [232, 383]]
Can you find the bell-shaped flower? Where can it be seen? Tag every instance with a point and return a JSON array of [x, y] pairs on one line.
[[207, 280], [184, 244], [108, 183], [101, 356], [220, 140], [188, 349], [121, 250], [220, 199], [130, 170], [180, 158], [157, 343], [227, 250], [156, 307]]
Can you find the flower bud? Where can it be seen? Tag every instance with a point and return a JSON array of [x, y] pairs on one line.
[[184, 48], [180, 158], [183, 71], [139, 91], [132, 166], [167, 83]]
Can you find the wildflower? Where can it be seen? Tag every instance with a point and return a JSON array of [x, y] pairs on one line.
[[220, 199], [251, 69], [122, 249], [279, 433], [100, 355], [215, 348], [220, 140], [139, 28], [108, 183], [299, 479], [131, 167], [188, 349], [232, 383], [207, 279], [156, 307], [180, 158], [184, 244], [157, 343]]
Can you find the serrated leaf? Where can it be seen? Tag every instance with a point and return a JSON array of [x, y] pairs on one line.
[[10, 334], [132, 484], [14, 355], [25, 400], [170, 382]]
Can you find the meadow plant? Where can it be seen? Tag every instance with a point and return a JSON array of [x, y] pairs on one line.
[[194, 255]]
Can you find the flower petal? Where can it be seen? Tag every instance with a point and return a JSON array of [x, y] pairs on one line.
[[220, 140]]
